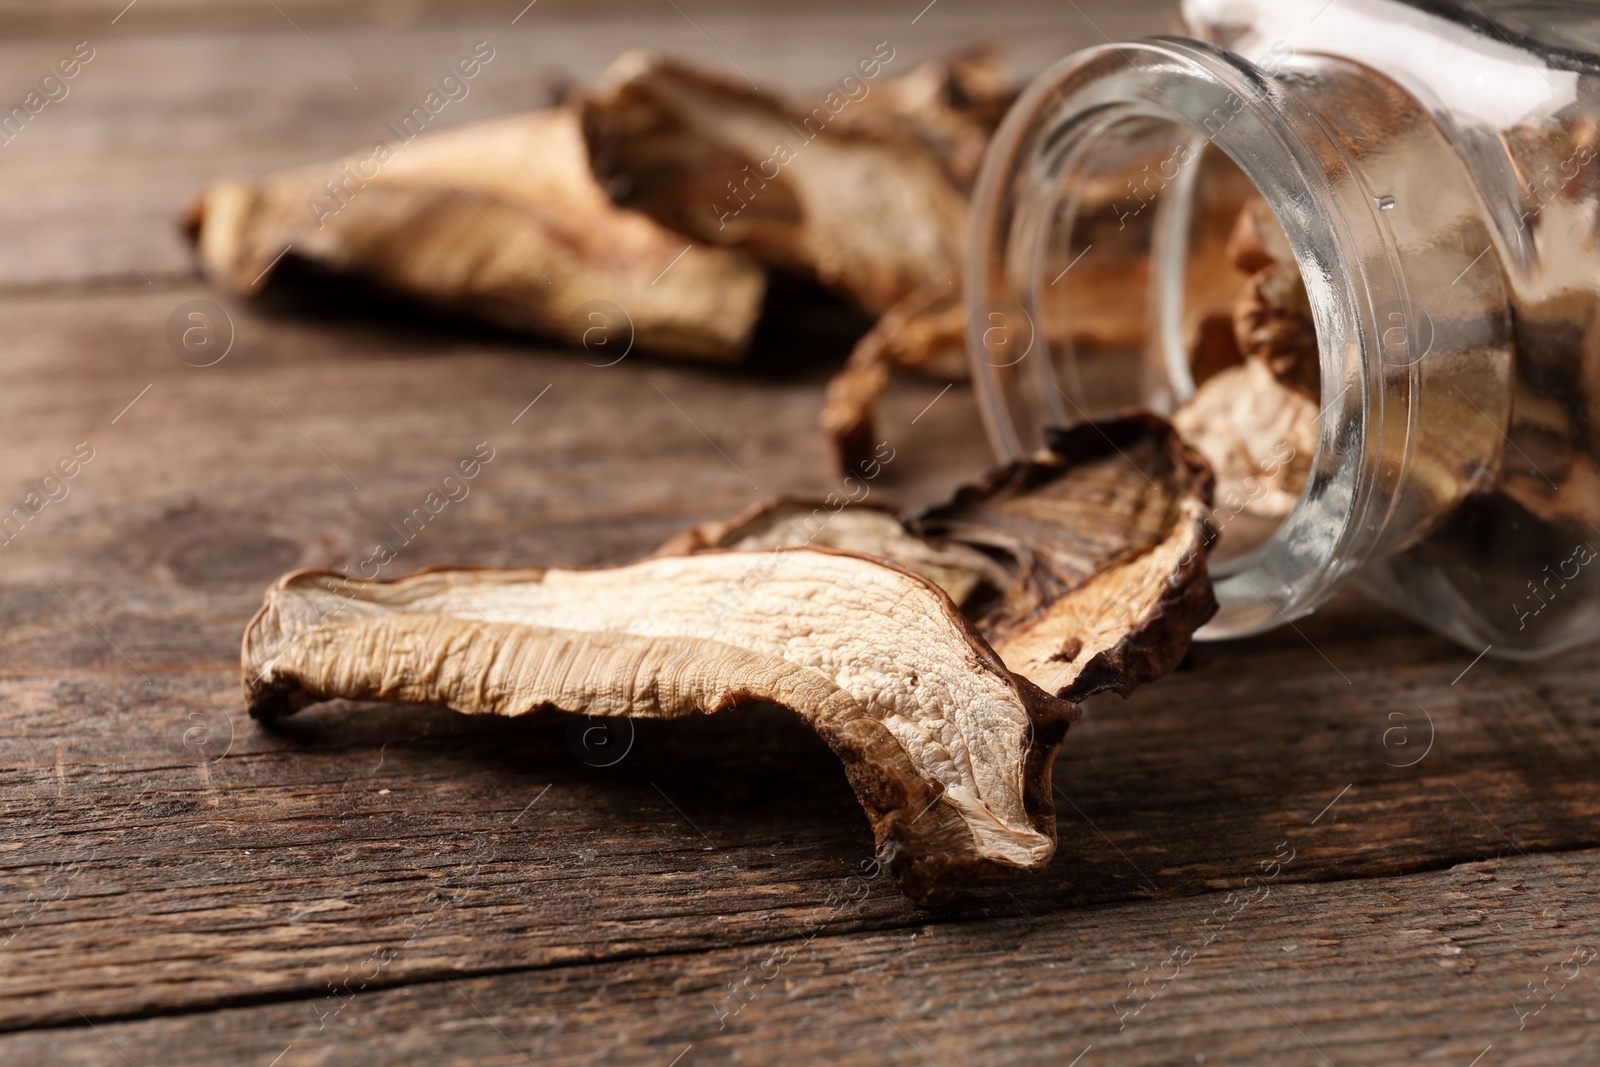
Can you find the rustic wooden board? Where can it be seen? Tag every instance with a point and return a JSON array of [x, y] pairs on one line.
[[177, 885], [1431, 968]]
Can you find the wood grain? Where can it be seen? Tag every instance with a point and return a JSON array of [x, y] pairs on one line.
[[1431, 968]]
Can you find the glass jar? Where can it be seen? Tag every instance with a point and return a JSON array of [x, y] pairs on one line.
[[1432, 165]]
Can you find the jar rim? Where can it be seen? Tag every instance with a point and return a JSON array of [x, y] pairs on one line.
[[1342, 245]]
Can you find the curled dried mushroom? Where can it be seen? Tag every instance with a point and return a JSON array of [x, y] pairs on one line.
[[953, 105], [925, 332], [861, 528], [1272, 323], [947, 750], [1254, 413], [1103, 536], [866, 193], [500, 219], [1258, 434], [1084, 566], [829, 188], [1272, 315], [1081, 569]]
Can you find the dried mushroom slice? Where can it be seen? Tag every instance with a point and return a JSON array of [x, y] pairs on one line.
[[1258, 434], [1257, 240], [948, 751], [1130, 624], [924, 332], [953, 105], [837, 523], [1213, 348], [1272, 323], [864, 190], [822, 186], [1570, 503], [1103, 535], [1272, 315], [1254, 415], [500, 219], [1550, 464]]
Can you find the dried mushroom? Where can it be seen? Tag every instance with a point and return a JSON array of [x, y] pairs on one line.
[[1571, 502], [953, 105], [1084, 566], [958, 569], [1551, 461], [500, 219], [948, 752], [925, 332], [1258, 434], [1254, 413], [1103, 536], [862, 188], [1213, 348], [827, 187], [1083, 569], [1272, 323], [1272, 315]]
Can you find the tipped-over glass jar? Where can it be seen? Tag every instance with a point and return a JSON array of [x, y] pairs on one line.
[[1433, 168]]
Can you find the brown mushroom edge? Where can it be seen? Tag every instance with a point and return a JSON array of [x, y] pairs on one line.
[[1084, 566], [930, 846], [1102, 608]]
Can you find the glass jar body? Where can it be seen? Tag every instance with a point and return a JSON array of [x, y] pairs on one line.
[[1438, 188]]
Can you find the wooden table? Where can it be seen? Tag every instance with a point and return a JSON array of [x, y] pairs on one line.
[[380, 884]]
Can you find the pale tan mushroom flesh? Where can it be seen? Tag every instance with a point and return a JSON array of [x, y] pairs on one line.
[[1083, 566], [836, 522], [500, 219], [1258, 434], [947, 750], [1254, 415]]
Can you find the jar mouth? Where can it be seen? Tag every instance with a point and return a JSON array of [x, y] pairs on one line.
[[1029, 202]]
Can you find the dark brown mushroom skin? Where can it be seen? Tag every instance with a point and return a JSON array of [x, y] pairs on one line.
[[1101, 495]]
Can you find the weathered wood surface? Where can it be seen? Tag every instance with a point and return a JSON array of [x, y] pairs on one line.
[[1430, 968], [180, 886]]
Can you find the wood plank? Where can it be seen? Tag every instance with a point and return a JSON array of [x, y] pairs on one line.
[[1432, 968], [194, 881], [171, 111]]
